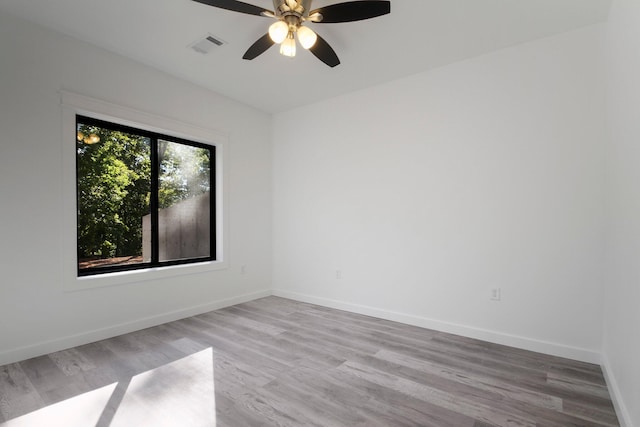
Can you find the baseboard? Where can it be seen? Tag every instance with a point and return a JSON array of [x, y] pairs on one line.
[[545, 347], [624, 418], [51, 346]]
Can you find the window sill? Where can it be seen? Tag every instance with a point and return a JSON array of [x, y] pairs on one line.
[[143, 275]]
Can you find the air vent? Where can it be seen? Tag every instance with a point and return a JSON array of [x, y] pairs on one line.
[[206, 44]]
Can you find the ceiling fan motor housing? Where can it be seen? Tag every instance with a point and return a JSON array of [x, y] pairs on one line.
[[299, 8]]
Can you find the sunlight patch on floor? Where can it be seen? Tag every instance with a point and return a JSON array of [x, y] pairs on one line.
[[79, 411], [178, 393]]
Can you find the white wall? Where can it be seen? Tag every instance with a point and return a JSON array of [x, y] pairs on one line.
[[428, 191], [36, 314], [622, 281]]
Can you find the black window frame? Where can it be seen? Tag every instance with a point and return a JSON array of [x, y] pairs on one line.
[[154, 203]]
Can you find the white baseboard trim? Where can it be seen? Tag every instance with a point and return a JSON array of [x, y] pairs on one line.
[[624, 418], [554, 349], [45, 347]]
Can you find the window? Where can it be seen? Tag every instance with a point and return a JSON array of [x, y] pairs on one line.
[[143, 199]]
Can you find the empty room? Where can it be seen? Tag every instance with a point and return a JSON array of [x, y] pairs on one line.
[[320, 213]]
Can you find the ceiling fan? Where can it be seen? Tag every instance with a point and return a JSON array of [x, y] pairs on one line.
[[290, 16]]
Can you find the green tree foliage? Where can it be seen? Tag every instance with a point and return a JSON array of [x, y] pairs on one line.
[[114, 187], [114, 184], [184, 172]]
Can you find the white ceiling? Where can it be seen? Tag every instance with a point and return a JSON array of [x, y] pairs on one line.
[[418, 35]]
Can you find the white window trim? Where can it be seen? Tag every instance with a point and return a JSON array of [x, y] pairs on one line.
[[75, 104]]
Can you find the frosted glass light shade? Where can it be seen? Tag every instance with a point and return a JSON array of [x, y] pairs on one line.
[[288, 47], [306, 37], [278, 31]]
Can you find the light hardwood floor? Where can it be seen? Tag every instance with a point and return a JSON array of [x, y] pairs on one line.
[[277, 362]]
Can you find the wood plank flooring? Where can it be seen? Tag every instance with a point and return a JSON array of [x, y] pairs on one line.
[[277, 362]]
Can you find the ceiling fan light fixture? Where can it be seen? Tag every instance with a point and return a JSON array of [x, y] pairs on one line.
[[307, 37], [278, 31], [288, 46]]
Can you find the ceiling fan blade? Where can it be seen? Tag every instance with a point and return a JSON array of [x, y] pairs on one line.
[[259, 47], [353, 11], [324, 52], [236, 6]]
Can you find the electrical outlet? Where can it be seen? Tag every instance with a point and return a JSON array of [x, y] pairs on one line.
[[243, 269], [495, 294], [338, 274]]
